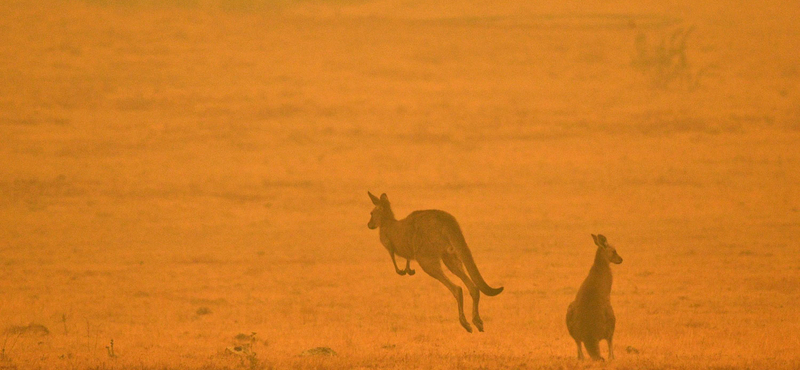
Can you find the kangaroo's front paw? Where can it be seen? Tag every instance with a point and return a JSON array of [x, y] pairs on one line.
[[400, 272], [411, 272]]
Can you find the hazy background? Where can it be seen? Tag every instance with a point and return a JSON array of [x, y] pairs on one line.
[[174, 173]]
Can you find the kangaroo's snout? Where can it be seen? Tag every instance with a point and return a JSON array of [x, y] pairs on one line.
[[616, 258]]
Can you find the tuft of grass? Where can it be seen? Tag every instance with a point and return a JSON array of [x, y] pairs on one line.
[[243, 349], [203, 311], [110, 350], [32, 328], [318, 351]]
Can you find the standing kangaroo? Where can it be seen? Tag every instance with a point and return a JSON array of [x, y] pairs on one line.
[[590, 317], [431, 237]]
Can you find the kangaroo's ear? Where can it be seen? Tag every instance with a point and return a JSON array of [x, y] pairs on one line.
[[599, 240], [375, 199], [384, 198]]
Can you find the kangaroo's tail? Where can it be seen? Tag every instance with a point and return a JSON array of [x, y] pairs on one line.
[[593, 349], [460, 246]]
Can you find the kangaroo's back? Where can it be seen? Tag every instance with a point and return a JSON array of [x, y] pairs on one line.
[[425, 232], [440, 231], [431, 220]]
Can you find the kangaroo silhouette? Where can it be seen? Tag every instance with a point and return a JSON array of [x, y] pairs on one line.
[[431, 237], [590, 317]]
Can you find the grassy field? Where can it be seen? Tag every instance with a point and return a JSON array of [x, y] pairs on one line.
[[177, 174]]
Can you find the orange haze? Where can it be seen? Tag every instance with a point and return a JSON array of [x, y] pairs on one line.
[[176, 173]]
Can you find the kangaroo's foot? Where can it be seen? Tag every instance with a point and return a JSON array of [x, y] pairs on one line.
[[408, 268], [478, 323], [465, 324]]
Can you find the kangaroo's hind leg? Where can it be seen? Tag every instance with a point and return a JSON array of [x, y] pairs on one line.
[[610, 348], [611, 323], [580, 350], [434, 269], [457, 268]]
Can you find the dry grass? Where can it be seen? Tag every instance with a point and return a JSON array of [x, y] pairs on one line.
[[173, 176]]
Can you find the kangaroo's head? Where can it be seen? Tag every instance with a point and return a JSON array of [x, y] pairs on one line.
[[381, 212], [608, 250]]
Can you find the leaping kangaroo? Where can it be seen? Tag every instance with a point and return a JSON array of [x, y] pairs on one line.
[[431, 237]]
